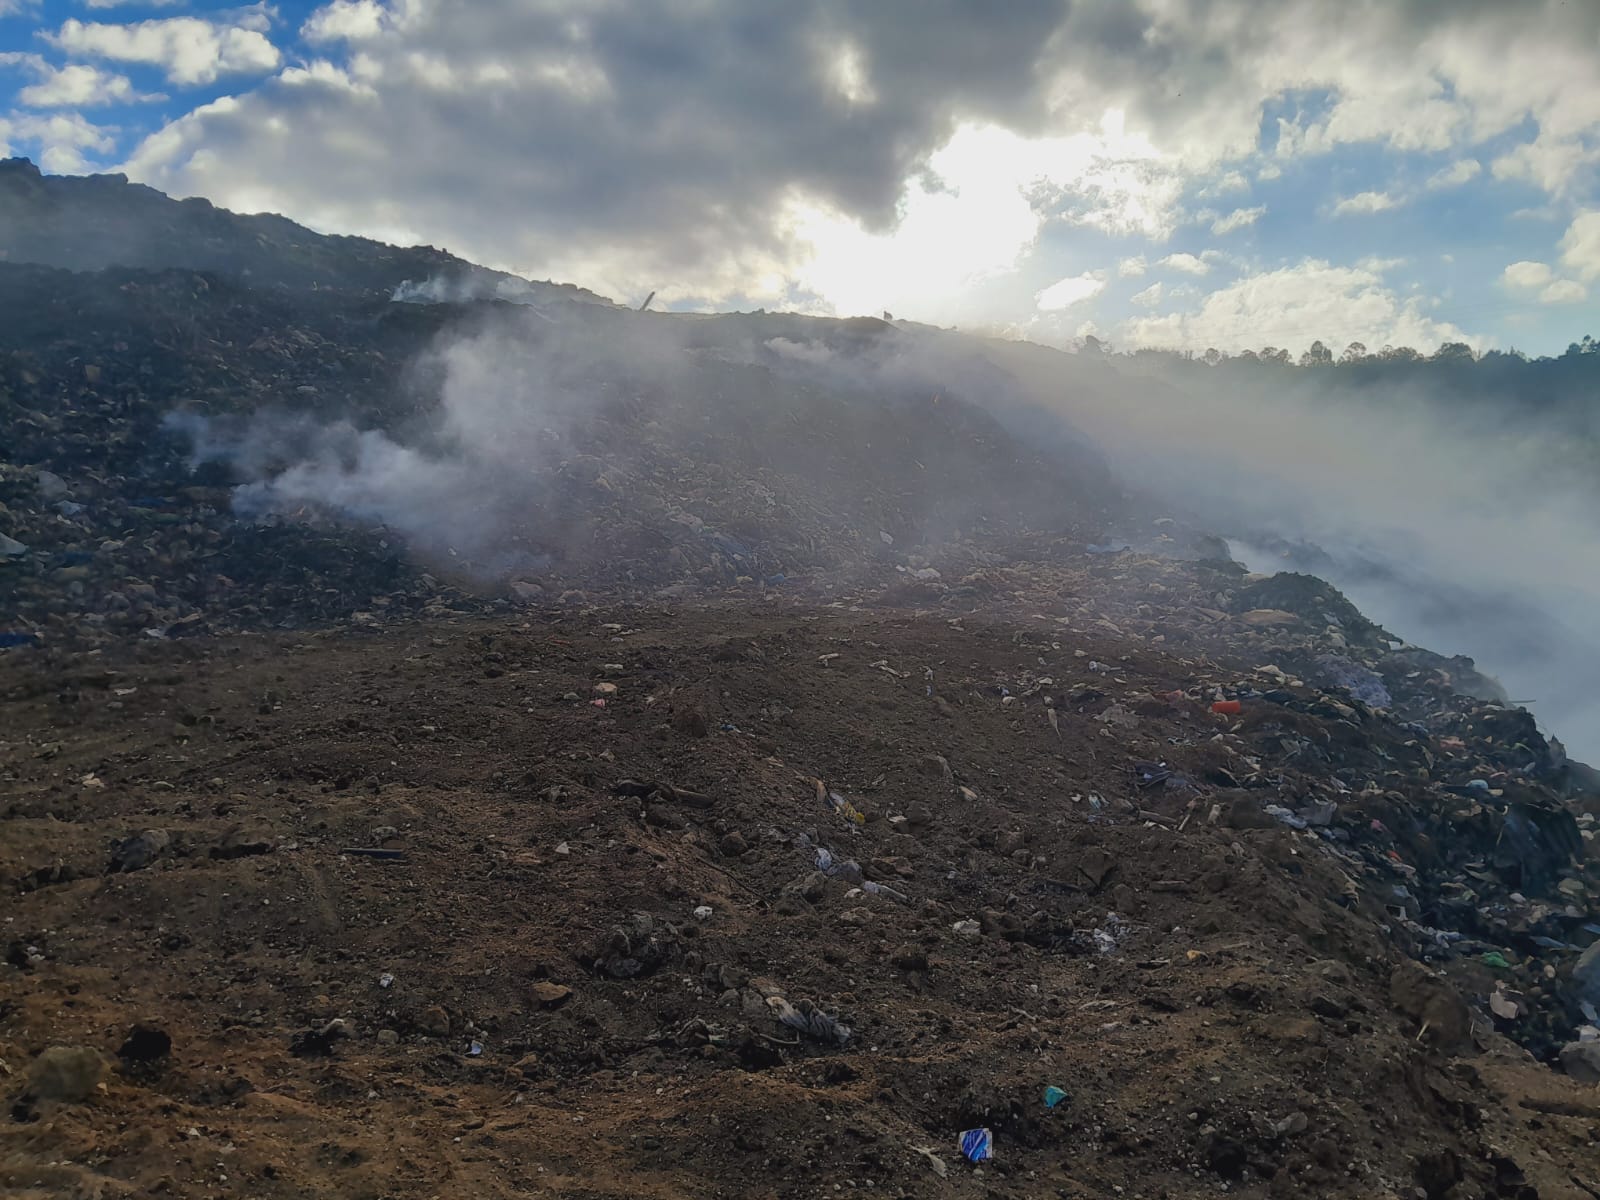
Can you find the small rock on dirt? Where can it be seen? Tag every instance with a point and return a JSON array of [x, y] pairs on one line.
[[69, 1074]]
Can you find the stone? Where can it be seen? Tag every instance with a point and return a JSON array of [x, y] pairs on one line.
[[69, 1074], [551, 995], [1581, 1060], [144, 1044], [1586, 974]]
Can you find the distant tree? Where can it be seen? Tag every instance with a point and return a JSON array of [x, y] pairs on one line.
[[1587, 346], [1399, 354], [1213, 356], [1353, 353], [1316, 355], [1093, 345], [1454, 352], [1274, 355], [1248, 356]]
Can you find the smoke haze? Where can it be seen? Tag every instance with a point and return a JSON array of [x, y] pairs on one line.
[[1459, 528]]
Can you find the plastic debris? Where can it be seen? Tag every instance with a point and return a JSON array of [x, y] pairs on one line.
[[1493, 958], [845, 809], [1284, 815], [977, 1145], [809, 1020], [1053, 1096], [1227, 707]]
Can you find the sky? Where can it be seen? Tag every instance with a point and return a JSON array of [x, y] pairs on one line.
[[1176, 173]]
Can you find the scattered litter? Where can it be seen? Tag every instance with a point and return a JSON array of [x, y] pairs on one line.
[[1285, 815], [977, 1145], [809, 1020], [845, 809], [1053, 1096], [1227, 707]]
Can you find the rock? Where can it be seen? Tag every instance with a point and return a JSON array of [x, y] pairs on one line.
[[318, 1043], [69, 1074], [605, 689], [240, 842], [551, 995], [139, 851], [691, 720], [733, 844], [1096, 866], [434, 1021], [909, 957], [1581, 1060], [388, 1037], [890, 868], [1010, 842], [1433, 1004], [144, 1044], [1586, 974]]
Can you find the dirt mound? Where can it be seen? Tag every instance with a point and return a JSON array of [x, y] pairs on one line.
[[426, 915]]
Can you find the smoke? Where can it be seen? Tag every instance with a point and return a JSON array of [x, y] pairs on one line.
[[762, 444], [1458, 525], [468, 487]]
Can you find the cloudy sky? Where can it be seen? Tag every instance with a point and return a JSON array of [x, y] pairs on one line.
[[1184, 173]]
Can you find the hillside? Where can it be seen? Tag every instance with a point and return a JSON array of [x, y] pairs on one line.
[[507, 747]]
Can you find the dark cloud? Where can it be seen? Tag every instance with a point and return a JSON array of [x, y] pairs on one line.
[[648, 146]]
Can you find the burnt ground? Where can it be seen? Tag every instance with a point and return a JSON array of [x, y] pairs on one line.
[[531, 1005]]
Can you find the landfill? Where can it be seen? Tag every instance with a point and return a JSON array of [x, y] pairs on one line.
[[824, 774]]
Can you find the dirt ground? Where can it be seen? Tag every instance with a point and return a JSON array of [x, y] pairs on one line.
[[563, 984]]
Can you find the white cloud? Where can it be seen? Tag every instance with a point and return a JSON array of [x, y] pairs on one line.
[[1294, 306], [1237, 219], [1564, 291], [1580, 246], [1457, 173], [1150, 297], [1187, 263], [191, 50], [1231, 181], [130, 3], [726, 159], [77, 86], [1132, 267], [1074, 289], [1364, 202], [1526, 274], [346, 21], [61, 139], [1548, 163]]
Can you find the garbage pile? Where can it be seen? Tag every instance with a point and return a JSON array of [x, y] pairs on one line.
[[730, 470], [1454, 823]]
